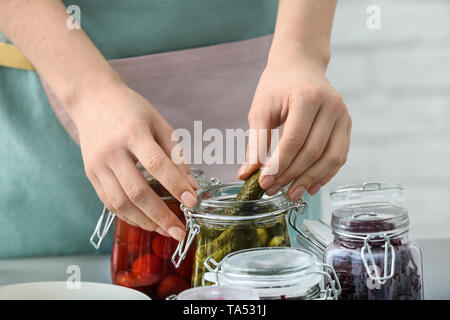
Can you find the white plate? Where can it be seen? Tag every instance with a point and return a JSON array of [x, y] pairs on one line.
[[60, 291]]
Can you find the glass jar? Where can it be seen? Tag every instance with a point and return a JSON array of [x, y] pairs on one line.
[[219, 225], [372, 254], [276, 274], [140, 259], [217, 293]]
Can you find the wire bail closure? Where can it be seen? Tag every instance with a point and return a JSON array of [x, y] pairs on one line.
[[101, 230], [332, 287], [294, 215], [192, 229], [293, 219], [387, 247]]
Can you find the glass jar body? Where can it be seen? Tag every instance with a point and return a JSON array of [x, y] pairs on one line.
[[217, 240], [344, 254], [140, 259]]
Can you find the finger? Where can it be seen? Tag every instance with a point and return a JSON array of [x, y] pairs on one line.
[[258, 141], [156, 162], [313, 148], [333, 159], [300, 119], [145, 199], [324, 181], [168, 141], [120, 204], [98, 189]]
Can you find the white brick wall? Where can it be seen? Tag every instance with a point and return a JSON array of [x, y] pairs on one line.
[[396, 82]]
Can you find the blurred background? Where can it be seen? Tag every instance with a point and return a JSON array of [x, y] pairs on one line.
[[396, 83]]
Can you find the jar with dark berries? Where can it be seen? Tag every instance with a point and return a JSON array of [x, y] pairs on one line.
[[372, 254]]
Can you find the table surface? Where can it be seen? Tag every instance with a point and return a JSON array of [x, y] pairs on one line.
[[95, 268]]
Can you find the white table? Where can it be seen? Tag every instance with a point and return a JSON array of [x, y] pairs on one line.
[[95, 268]]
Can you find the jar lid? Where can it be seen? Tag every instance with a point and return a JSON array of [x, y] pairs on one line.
[[361, 220], [272, 272], [218, 293], [315, 236], [367, 192]]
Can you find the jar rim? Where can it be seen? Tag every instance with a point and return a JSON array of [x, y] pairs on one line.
[[280, 200]]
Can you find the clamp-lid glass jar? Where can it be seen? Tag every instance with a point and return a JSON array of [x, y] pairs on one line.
[[217, 293], [371, 252], [140, 259], [221, 225], [276, 274]]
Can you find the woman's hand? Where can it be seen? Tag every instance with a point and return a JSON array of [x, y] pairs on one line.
[[117, 128], [294, 91]]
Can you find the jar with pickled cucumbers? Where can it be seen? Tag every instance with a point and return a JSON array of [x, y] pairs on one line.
[[219, 225], [140, 259]]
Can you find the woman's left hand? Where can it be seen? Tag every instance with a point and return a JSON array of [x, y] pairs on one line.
[[294, 91]]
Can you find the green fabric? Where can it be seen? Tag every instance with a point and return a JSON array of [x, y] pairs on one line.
[[123, 28], [47, 206]]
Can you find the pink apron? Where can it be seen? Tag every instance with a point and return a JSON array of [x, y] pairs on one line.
[[213, 84]]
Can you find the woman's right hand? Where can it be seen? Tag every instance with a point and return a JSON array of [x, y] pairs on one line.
[[117, 128]]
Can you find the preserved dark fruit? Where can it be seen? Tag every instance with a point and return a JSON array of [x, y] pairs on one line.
[[406, 283]]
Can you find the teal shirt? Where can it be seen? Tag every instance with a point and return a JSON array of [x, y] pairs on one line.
[[47, 205], [123, 28]]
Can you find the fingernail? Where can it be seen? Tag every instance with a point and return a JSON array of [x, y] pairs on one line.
[[192, 181], [298, 193], [162, 232], [267, 181], [316, 189], [188, 199], [273, 189], [177, 233]]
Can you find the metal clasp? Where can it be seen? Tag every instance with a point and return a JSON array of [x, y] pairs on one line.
[[332, 287], [192, 229], [101, 231], [296, 211], [293, 217], [215, 270], [387, 246]]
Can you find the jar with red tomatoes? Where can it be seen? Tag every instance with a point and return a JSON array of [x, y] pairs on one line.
[[140, 259]]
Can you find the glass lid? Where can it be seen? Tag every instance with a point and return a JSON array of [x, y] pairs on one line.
[[218, 293], [268, 262], [369, 192], [370, 218], [274, 273]]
